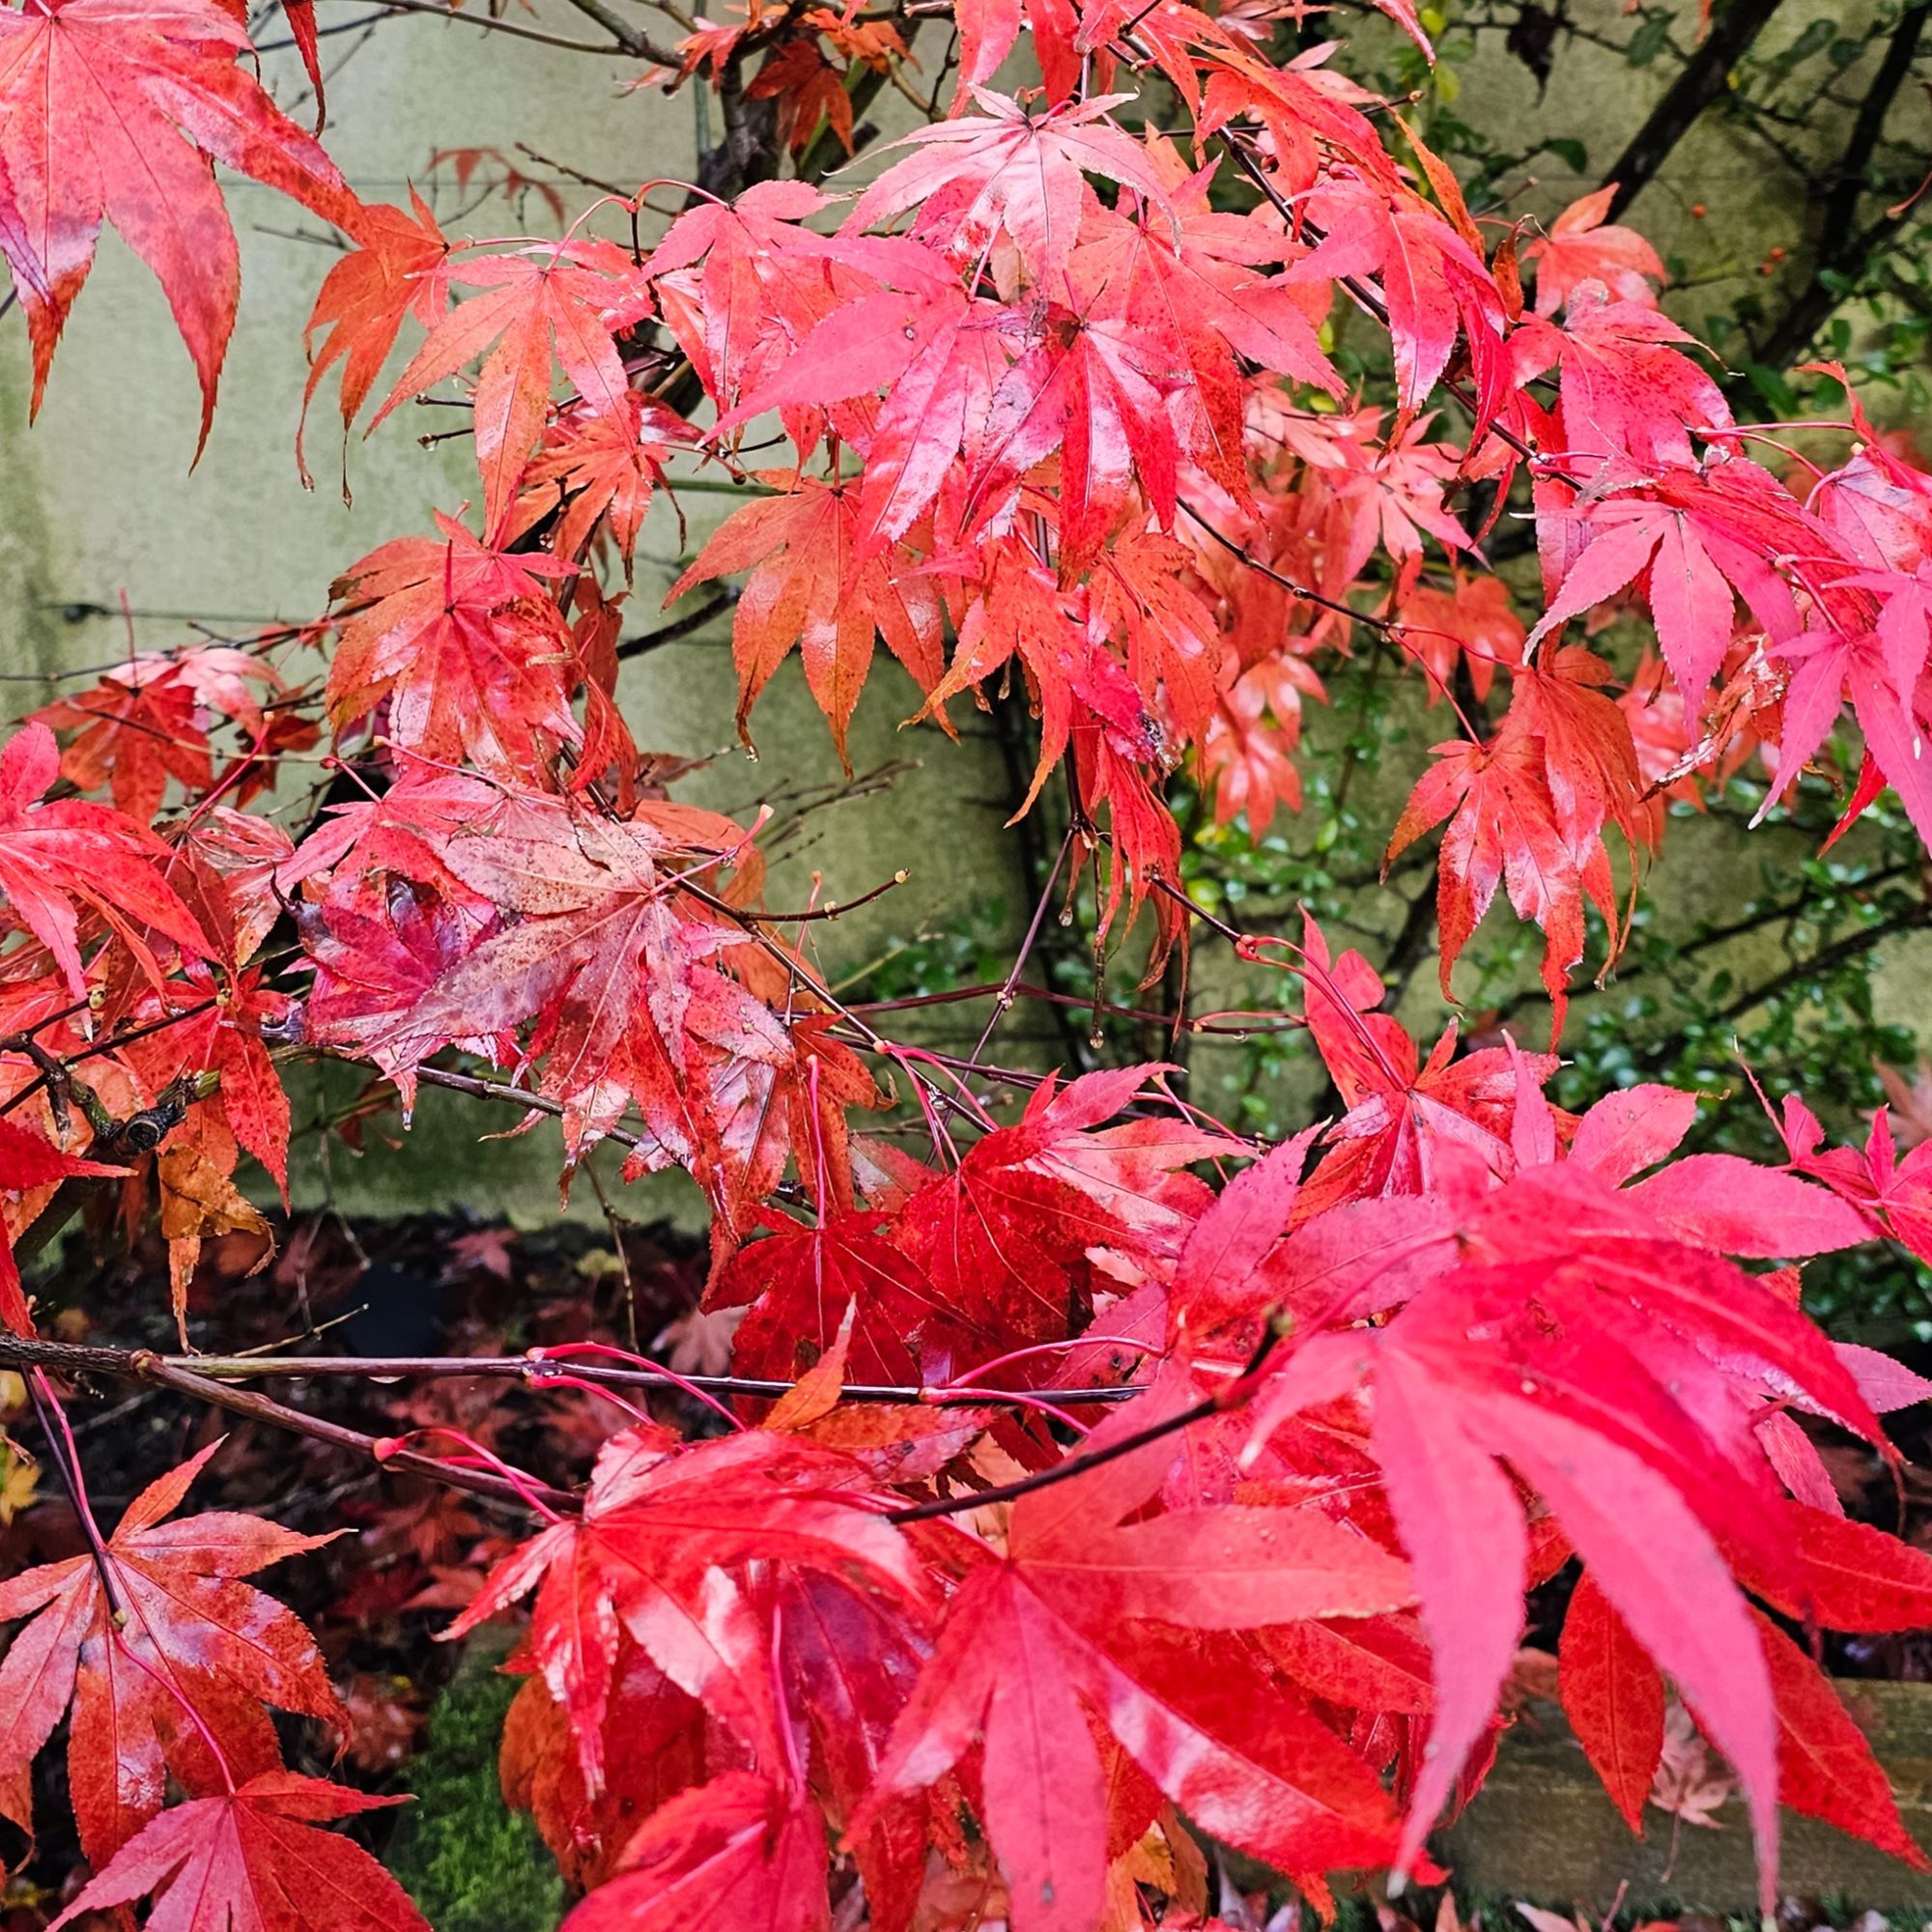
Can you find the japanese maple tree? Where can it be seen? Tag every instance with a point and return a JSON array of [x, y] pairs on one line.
[[1092, 1486]]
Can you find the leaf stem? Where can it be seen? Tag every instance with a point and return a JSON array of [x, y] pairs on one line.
[[65, 1455]]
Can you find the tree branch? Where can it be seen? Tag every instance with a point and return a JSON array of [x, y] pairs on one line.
[[144, 1366], [678, 627], [69, 1358], [1844, 247], [517, 31], [630, 39], [1835, 954], [1704, 80], [1232, 1396], [1714, 936]]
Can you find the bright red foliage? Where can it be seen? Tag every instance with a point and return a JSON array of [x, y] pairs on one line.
[[179, 1635], [253, 1859], [1063, 423]]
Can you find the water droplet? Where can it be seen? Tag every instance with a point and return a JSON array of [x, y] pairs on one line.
[[1097, 1039], [1066, 915]]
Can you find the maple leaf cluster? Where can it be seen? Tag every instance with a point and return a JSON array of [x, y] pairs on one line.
[[1279, 1593], [171, 1661], [1102, 1483]]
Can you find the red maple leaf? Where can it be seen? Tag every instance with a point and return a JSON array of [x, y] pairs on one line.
[[464, 644], [1527, 813], [1403, 1112], [1248, 748], [1472, 621], [1893, 1192], [1022, 611], [399, 266], [807, 89], [1826, 1768], [59, 857], [1432, 280], [801, 1282], [219, 1029], [742, 285], [147, 721], [581, 928], [1038, 1213], [27, 1162], [183, 1633], [223, 865], [1306, 107], [1002, 172], [1692, 540], [664, 1525], [599, 471], [1581, 246], [736, 1851], [1039, 1648], [1613, 1696], [1612, 1368], [549, 295], [1833, 667], [150, 90], [814, 588], [379, 947], [989, 28], [1093, 388], [654, 1739], [252, 1859], [937, 353], [1625, 389], [1186, 281]]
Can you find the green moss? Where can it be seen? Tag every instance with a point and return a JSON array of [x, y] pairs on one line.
[[472, 1864]]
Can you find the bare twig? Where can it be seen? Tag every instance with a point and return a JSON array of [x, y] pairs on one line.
[[143, 1365], [488, 23]]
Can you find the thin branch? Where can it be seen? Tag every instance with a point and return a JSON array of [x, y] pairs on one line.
[[1006, 993], [630, 39], [517, 30], [143, 1365], [1231, 1396], [1843, 246], [836, 908], [680, 627], [1714, 936], [89, 1359], [1661, 1052], [112, 1044], [1822, 961], [1009, 990], [60, 1452]]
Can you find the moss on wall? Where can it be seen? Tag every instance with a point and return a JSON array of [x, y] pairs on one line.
[[470, 1863]]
